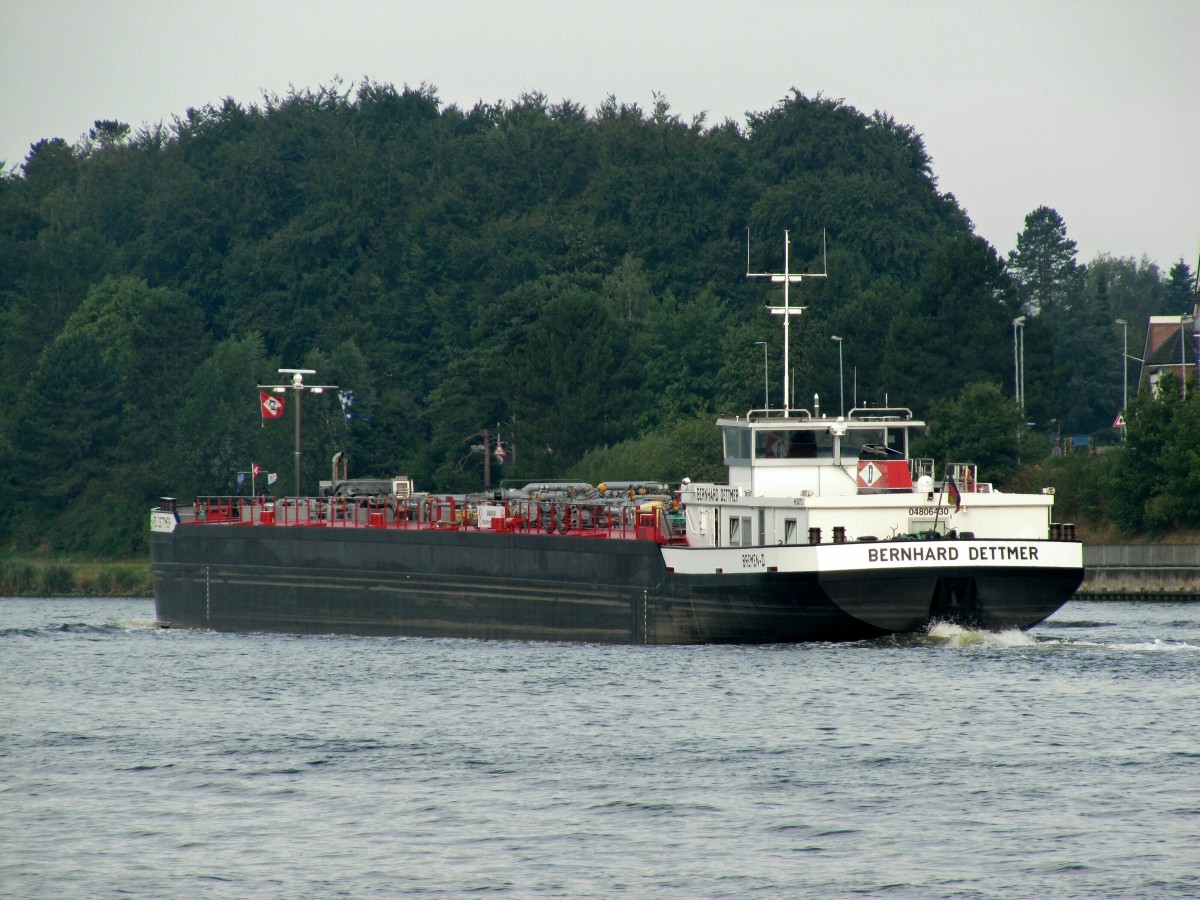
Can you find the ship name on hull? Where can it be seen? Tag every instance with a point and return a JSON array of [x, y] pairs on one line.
[[943, 553]]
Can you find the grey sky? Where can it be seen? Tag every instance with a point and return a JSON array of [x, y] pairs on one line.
[[1087, 107]]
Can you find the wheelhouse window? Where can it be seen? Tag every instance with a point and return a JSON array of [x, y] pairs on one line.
[[793, 443], [875, 443], [737, 444]]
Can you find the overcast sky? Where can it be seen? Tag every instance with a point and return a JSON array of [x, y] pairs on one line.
[[1092, 108]]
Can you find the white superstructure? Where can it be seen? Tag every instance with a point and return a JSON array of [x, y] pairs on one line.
[[795, 478]]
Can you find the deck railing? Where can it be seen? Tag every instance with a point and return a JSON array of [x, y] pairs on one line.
[[578, 518]]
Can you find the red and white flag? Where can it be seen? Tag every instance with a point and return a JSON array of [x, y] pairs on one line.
[[255, 469], [270, 405]]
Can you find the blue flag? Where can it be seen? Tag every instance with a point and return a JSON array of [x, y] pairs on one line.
[[346, 398]]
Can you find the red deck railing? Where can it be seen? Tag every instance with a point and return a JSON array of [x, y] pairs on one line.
[[573, 518]]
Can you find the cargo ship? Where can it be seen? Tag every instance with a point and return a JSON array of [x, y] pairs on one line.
[[826, 528]]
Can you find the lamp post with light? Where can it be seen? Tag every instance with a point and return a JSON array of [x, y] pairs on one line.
[[297, 387], [1125, 359], [1019, 360], [1183, 373], [841, 389]]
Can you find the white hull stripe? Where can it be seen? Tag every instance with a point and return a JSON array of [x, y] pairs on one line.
[[876, 557]]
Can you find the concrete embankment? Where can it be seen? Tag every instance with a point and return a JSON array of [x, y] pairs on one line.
[[1141, 572]]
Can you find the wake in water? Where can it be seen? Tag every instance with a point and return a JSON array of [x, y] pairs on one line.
[[951, 635], [55, 629], [946, 634], [1156, 645]]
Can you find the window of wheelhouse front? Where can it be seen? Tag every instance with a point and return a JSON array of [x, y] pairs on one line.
[[875, 443], [793, 443]]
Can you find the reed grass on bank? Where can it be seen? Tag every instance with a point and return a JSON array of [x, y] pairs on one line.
[[32, 577]]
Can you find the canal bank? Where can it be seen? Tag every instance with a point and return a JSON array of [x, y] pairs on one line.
[[1140, 572]]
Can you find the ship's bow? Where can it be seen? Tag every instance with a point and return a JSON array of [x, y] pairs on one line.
[[905, 586]]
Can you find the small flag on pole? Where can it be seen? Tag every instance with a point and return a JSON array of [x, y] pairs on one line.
[[348, 401], [272, 478], [955, 497], [346, 398], [255, 469], [270, 405]]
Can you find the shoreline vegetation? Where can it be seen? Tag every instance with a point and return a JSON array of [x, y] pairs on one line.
[[32, 576]]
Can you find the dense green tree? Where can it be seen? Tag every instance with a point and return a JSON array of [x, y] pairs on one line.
[[1071, 312], [978, 425], [953, 326], [575, 279], [689, 448], [571, 374], [1043, 265], [1181, 289], [1155, 484], [91, 420]]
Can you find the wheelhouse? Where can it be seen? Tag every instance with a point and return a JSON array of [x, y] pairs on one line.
[[769, 453]]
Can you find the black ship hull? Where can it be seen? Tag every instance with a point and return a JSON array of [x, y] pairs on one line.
[[434, 583]]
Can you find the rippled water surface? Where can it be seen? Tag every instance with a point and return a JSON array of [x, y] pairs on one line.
[[141, 762]]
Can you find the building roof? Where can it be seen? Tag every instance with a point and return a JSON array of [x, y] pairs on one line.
[[1170, 343]]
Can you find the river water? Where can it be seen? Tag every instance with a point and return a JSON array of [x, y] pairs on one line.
[[141, 762]]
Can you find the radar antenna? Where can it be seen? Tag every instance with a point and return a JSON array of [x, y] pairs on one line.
[[787, 310]]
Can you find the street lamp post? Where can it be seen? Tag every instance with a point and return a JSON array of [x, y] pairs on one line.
[[841, 383], [1183, 321], [297, 387], [1019, 360], [766, 377], [1125, 359]]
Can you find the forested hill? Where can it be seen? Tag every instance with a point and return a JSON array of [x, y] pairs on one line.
[[572, 279]]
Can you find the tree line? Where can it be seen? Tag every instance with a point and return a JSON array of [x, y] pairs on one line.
[[572, 282]]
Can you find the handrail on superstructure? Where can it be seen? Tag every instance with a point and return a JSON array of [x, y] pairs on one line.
[[785, 414], [880, 413], [857, 414]]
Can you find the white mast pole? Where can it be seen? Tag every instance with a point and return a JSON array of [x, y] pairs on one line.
[[786, 310]]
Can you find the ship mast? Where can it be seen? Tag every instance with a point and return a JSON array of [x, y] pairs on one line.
[[787, 310], [297, 387]]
